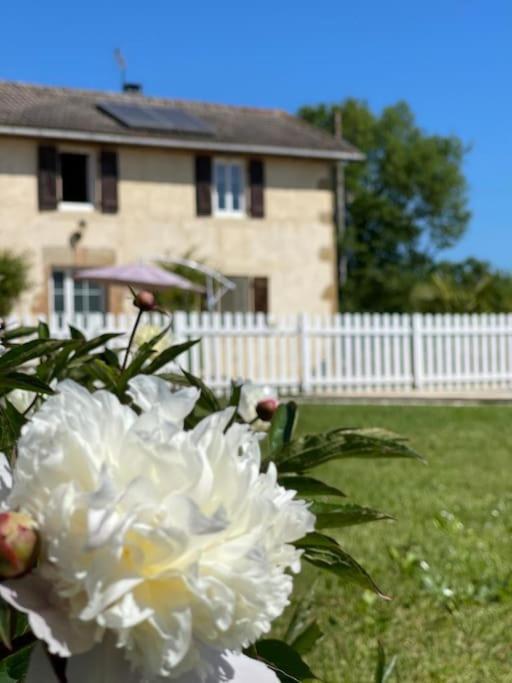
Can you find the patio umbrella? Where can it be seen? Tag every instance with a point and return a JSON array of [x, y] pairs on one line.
[[141, 275]]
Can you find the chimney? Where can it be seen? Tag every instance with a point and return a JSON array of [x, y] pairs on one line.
[[134, 88]]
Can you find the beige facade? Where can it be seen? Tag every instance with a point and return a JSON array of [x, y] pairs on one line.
[[293, 245]]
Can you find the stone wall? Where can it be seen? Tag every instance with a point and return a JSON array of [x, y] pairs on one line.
[[293, 245]]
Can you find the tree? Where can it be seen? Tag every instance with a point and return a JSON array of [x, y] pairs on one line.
[[406, 202], [14, 270], [470, 286]]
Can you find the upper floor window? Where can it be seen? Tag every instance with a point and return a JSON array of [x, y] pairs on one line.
[[228, 188], [73, 178], [76, 181]]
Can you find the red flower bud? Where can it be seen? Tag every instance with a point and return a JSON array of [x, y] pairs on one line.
[[18, 544], [266, 408], [145, 300]]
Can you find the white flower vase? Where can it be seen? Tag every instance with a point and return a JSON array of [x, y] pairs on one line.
[[90, 668]]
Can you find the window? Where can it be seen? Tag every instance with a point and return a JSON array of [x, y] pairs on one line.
[[76, 181], [249, 296], [69, 296], [228, 188]]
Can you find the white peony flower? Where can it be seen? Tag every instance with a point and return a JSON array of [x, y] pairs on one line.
[[162, 547], [250, 396]]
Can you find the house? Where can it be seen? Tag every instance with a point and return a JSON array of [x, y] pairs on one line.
[[95, 178]]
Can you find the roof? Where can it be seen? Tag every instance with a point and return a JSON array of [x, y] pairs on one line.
[[66, 113]]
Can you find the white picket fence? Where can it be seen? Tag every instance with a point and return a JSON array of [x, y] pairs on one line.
[[335, 354]]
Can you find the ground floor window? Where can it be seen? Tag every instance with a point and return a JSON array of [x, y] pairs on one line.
[[69, 296], [249, 296]]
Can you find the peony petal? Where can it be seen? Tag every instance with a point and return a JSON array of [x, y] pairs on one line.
[[5, 478], [247, 670], [47, 616], [153, 393]]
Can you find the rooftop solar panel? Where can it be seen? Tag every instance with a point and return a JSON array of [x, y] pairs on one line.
[[152, 117]]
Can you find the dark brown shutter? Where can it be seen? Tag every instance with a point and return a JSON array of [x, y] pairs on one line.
[[204, 185], [260, 285], [109, 173], [47, 177], [257, 188]]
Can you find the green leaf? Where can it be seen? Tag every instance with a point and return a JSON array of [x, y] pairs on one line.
[[325, 553], [54, 368], [332, 515], [98, 369], [88, 346], [169, 355], [312, 450], [307, 639], [383, 671], [17, 332], [281, 428], [286, 662], [22, 353], [111, 358], [234, 400], [309, 487], [236, 391], [11, 422], [75, 333], [43, 331], [18, 380], [208, 399], [14, 667], [5, 624]]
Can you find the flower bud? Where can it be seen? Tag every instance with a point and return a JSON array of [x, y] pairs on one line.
[[18, 544], [145, 300], [266, 408]]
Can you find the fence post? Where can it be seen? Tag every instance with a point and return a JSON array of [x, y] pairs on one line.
[[417, 351], [305, 353], [179, 334]]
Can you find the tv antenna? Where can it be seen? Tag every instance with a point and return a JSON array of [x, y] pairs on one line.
[[121, 63]]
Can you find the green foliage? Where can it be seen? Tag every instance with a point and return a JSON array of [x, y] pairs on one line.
[[35, 365], [14, 666], [446, 561], [471, 286], [384, 669], [175, 299], [285, 661], [407, 201], [14, 269]]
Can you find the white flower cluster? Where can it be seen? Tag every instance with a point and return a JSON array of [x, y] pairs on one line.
[[162, 549]]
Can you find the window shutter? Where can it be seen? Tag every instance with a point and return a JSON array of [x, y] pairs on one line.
[[260, 285], [109, 174], [257, 185], [47, 177], [203, 185]]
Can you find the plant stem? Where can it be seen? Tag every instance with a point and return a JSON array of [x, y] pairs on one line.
[[137, 321]]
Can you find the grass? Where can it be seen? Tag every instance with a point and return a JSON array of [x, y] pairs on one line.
[[447, 560]]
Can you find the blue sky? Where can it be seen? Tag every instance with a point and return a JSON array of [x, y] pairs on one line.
[[450, 59]]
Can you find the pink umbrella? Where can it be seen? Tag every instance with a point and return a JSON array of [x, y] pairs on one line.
[[140, 275]]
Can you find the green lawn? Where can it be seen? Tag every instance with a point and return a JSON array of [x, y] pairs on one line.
[[447, 560]]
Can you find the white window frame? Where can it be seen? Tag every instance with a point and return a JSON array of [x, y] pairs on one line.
[[228, 163], [91, 179], [69, 294]]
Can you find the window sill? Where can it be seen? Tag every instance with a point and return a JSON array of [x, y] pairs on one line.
[[230, 214], [75, 206]]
